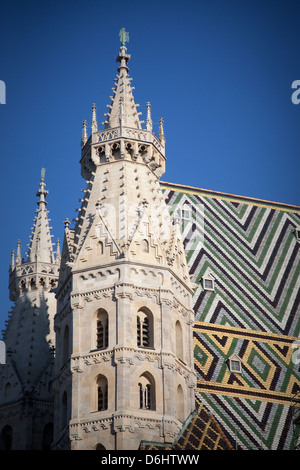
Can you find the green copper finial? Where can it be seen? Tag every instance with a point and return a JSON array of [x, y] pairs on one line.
[[43, 171], [124, 36]]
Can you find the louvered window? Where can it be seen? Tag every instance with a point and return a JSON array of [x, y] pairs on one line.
[[102, 393], [102, 329], [143, 330]]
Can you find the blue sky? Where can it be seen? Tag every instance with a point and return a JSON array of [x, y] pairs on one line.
[[218, 71]]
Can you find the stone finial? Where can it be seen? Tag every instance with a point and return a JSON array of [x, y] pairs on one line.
[[42, 192], [18, 257], [12, 260], [149, 120], [161, 134], [58, 255], [67, 223], [84, 134], [94, 119]]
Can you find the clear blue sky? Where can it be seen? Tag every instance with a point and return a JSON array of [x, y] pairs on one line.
[[219, 73]]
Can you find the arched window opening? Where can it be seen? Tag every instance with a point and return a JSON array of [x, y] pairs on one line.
[[180, 404], [144, 328], [64, 409], [47, 436], [7, 391], [145, 246], [100, 447], [6, 438], [102, 329], [100, 248], [102, 393], [23, 286], [146, 392], [179, 340], [66, 344]]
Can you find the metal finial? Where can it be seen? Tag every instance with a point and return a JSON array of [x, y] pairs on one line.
[[43, 172], [124, 36]]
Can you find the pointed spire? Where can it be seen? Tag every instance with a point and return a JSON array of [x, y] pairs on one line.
[[84, 134], [58, 255], [40, 248], [161, 134], [18, 257], [94, 119], [12, 260], [126, 111], [149, 120]]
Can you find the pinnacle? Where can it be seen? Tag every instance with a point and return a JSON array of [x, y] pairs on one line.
[[123, 109], [40, 248]]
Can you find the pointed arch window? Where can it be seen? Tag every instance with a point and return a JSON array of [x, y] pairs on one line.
[[6, 438], [47, 436], [180, 403], [144, 328], [145, 246], [102, 329], [64, 409], [7, 390], [179, 340], [146, 392], [102, 393], [66, 346], [100, 447]]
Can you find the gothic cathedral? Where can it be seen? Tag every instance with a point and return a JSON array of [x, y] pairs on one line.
[[168, 319], [124, 346], [123, 370]]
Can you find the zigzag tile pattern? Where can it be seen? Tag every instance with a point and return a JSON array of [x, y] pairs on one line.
[[254, 256], [252, 252]]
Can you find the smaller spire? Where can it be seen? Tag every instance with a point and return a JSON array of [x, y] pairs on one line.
[[40, 248], [42, 192], [18, 257], [58, 255], [84, 134], [12, 260], [161, 134], [149, 120], [94, 119]]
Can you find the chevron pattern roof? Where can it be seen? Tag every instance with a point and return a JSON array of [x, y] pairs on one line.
[[250, 250]]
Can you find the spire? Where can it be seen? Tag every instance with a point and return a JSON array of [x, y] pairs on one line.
[[12, 260], [40, 248], [122, 99], [94, 119], [161, 134], [58, 255], [149, 120], [18, 257], [84, 134]]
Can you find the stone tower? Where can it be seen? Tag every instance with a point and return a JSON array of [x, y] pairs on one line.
[[124, 345], [26, 404]]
